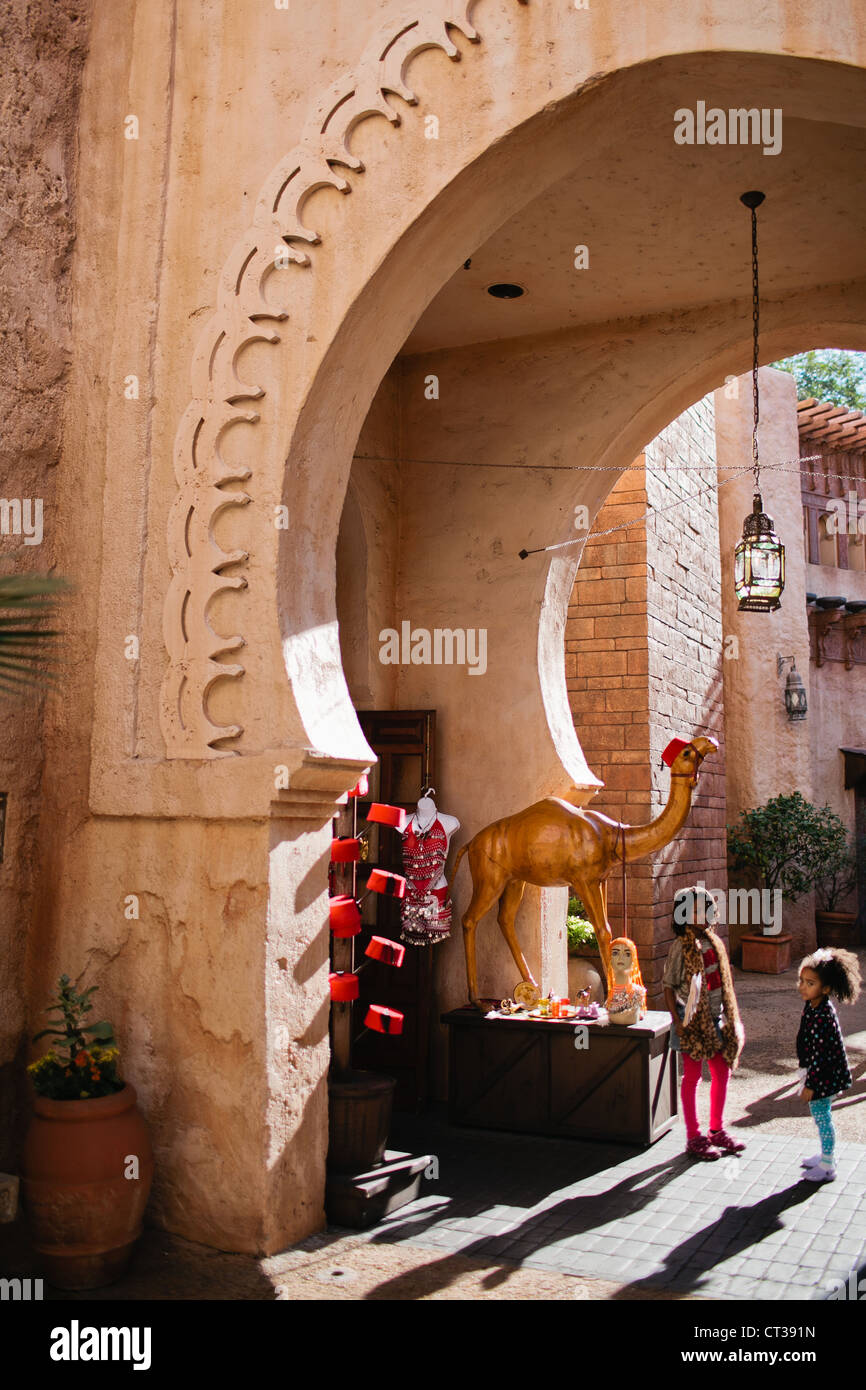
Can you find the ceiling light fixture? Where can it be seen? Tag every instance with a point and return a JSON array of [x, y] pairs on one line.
[[506, 291]]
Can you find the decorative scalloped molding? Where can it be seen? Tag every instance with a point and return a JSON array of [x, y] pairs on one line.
[[221, 399]]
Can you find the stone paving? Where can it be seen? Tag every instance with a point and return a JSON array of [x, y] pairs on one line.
[[739, 1228]]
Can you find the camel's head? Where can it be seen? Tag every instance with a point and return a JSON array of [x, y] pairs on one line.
[[687, 757]]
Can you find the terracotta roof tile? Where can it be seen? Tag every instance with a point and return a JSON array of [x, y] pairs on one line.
[[844, 430]]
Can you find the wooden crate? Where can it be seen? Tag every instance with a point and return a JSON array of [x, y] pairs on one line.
[[527, 1076]]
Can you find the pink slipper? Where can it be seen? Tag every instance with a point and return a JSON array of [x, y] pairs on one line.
[[720, 1139], [700, 1147]]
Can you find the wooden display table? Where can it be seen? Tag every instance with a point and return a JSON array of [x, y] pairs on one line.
[[527, 1076]]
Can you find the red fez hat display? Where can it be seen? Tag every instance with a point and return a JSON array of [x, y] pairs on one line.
[[387, 815], [673, 750], [361, 787], [344, 986], [345, 850], [392, 885], [382, 1020], [386, 951], [345, 915]]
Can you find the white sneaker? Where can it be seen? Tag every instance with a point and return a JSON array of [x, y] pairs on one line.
[[822, 1172], [811, 1162]]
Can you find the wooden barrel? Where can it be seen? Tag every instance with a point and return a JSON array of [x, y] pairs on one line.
[[359, 1116]]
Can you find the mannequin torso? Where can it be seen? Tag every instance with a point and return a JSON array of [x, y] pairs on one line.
[[426, 911], [421, 823]]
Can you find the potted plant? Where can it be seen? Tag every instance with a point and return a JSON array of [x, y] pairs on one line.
[[581, 935], [834, 926], [88, 1163], [584, 958], [785, 842]]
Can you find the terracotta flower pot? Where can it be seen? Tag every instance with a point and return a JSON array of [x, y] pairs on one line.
[[85, 1214], [837, 929]]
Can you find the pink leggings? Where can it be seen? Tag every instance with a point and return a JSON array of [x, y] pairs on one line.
[[719, 1073]]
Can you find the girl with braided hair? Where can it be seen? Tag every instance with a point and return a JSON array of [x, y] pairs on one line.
[[699, 992], [824, 1069]]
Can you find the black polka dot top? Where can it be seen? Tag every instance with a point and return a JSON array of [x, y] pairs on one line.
[[821, 1050]]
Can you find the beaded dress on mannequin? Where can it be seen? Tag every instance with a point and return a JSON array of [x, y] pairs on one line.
[[426, 908]]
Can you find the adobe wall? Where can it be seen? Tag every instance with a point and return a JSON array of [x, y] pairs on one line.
[[837, 700], [768, 755], [686, 653], [221, 990], [44, 48], [606, 666], [644, 645]]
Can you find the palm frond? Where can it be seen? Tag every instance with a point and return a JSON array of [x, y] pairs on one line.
[[28, 651]]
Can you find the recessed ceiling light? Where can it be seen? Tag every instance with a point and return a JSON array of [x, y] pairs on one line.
[[506, 291]]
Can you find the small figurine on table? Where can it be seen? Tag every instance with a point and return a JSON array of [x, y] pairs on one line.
[[587, 1008], [626, 1003]]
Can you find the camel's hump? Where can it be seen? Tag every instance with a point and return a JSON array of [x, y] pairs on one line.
[[554, 810], [552, 807]]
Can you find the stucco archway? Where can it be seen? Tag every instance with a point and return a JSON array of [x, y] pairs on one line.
[[708, 343], [674, 360], [544, 86]]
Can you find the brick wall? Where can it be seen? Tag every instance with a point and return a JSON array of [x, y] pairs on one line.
[[643, 665]]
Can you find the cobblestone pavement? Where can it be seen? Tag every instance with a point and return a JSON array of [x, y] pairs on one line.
[[517, 1217], [740, 1228]]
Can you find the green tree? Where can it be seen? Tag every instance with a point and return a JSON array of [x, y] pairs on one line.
[[829, 375], [789, 843]]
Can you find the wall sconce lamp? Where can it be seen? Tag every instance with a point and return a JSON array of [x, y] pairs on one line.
[[795, 691]]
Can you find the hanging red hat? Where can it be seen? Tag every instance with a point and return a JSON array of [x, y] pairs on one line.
[[345, 915], [389, 952], [394, 816], [392, 885], [673, 750], [382, 1020], [343, 986], [346, 849]]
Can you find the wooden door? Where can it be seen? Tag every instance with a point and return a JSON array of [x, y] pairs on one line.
[[403, 741]]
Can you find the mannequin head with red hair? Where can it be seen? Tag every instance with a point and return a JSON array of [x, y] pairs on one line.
[[625, 971]]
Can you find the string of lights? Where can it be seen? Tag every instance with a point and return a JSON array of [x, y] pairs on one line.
[[786, 466], [640, 520]]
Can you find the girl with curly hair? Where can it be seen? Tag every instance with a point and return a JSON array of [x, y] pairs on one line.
[[824, 1069]]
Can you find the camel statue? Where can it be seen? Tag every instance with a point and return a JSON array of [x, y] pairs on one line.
[[553, 843]]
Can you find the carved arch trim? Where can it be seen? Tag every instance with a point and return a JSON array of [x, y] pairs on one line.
[[221, 400]]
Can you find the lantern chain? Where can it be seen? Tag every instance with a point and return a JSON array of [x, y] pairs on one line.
[[755, 326]]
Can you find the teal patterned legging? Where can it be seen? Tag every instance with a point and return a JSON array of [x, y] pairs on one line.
[[820, 1112]]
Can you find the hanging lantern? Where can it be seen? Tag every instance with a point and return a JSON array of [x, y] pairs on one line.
[[759, 563], [759, 559], [795, 691]]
